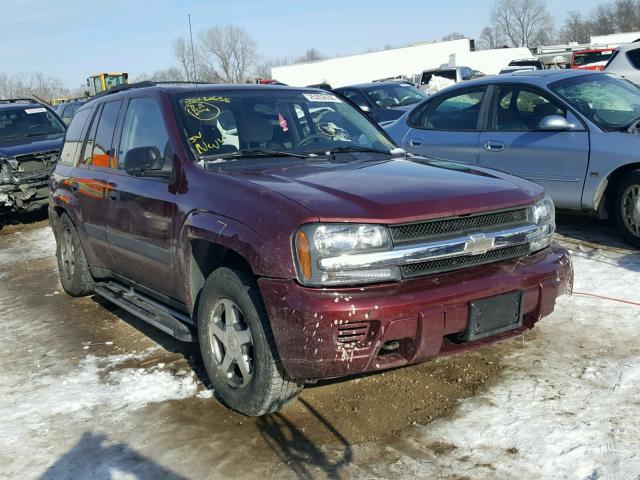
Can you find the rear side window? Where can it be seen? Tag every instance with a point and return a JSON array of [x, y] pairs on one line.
[[454, 113], [101, 154], [634, 58], [73, 139]]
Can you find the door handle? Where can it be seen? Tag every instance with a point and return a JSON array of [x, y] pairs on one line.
[[493, 146], [75, 187], [415, 143], [114, 195]]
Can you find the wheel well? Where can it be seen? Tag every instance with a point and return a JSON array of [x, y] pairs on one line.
[[206, 257], [612, 184]]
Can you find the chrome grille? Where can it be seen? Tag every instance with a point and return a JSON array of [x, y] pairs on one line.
[[456, 263], [413, 232]]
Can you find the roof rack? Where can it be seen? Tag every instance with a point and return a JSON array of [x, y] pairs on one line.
[[145, 84], [19, 100]]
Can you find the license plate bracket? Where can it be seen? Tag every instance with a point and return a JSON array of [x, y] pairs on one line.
[[493, 315]]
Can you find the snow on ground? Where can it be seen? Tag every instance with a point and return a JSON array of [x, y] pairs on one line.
[[30, 245], [569, 406]]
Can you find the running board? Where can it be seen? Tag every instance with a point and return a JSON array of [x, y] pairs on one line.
[[160, 316]]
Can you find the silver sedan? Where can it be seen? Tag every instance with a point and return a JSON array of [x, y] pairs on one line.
[[574, 132]]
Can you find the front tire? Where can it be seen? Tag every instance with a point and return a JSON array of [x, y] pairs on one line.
[[237, 346], [72, 264], [627, 208]]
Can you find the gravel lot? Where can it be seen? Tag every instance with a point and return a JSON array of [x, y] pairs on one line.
[[88, 391]]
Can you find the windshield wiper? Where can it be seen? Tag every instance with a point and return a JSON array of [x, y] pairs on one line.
[[351, 148], [254, 153]]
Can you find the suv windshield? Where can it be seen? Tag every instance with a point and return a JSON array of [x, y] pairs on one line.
[[219, 122], [608, 101], [386, 96], [28, 121]]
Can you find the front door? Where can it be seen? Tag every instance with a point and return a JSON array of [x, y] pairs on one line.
[[514, 143], [140, 218], [447, 127]]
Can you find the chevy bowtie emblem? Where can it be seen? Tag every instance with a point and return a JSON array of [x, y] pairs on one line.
[[479, 244]]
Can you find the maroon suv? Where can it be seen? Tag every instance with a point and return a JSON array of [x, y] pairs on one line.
[[284, 231]]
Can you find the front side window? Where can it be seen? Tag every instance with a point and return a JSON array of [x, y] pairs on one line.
[[395, 95], [26, 121], [73, 138], [356, 97], [517, 109], [608, 101], [455, 113], [222, 122], [144, 128]]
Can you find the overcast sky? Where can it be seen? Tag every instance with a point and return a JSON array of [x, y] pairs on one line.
[[72, 39]]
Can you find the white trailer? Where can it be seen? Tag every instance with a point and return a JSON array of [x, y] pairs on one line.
[[614, 40], [407, 61]]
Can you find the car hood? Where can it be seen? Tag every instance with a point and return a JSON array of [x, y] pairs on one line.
[[394, 190], [26, 146]]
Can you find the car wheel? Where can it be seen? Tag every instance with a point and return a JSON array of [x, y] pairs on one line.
[[74, 271], [237, 346], [627, 208]]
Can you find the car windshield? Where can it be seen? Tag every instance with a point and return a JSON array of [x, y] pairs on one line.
[[608, 101], [28, 121], [285, 122], [386, 96], [525, 63], [427, 76]]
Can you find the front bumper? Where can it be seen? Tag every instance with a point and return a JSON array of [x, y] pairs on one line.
[[324, 333]]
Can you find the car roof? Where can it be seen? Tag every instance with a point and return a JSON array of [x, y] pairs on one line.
[[373, 85], [12, 105], [534, 77], [629, 46]]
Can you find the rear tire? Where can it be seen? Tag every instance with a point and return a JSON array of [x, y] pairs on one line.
[[626, 208], [237, 346], [74, 271]]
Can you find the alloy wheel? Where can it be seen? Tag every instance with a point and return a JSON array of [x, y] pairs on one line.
[[631, 209], [231, 343], [68, 254]]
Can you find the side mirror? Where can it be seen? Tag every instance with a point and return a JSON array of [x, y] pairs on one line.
[[554, 123], [145, 161]]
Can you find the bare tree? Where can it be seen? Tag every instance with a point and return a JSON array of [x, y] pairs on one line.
[[524, 23], [311, 55], [575, 29], [453, 36], [227, 54], [31, 84], [490, 38], [183, 54]]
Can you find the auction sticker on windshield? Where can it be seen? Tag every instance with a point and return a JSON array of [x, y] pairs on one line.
[[321, 97], [29, 111]]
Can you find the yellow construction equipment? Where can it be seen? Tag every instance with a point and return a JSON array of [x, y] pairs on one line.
[[101, 82]]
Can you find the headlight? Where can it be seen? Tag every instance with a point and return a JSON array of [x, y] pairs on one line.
[[315, 242], [543, 214]]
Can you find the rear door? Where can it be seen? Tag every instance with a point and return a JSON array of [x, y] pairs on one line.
[[448, 126], [514, 143], [140, 213], [90, 184]]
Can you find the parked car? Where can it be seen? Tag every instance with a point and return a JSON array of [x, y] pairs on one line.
[[435, 79], [593, 59], [30, 141], [67, 110], [301, 247], [574, 132], [626, 62], [533, 62], [383, 101]]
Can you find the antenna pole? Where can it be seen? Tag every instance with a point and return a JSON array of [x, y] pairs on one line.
[[193, 55]]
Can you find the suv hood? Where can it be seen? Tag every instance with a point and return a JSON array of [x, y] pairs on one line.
[[27, 146], [394, 190]]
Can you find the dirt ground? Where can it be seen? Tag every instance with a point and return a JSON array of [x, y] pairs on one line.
[[89, 391]]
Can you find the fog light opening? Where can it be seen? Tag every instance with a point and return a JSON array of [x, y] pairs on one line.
[[390, 346]]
